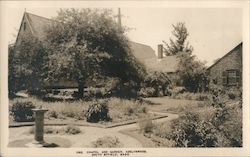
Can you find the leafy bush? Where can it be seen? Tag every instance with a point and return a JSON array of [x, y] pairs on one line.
[[98, 112], [146, 126], [231, 95], [190, 131], [52, 114], [147, 92], [155, 84], [177, 90], [190, 96], [71, 129], [162, 130], [107, 142], [22, 111], [218, 125]]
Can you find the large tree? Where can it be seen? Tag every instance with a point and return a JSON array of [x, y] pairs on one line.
[[191, 71], [178, 44], [27, 65], [87, 45]]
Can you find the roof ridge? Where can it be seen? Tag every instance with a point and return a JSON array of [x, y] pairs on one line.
[[139, 43], [28, 13], [231, 51]]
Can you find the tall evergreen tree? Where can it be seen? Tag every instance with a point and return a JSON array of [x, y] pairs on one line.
[[178, 44]]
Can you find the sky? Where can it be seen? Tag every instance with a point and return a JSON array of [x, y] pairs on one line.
[[212, 31]]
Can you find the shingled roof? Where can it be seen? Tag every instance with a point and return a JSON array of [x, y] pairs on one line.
[[144, 53], [168, 64], [38, 24], [141, 51]]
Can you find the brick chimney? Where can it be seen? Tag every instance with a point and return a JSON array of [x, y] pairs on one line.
[[160, 51]]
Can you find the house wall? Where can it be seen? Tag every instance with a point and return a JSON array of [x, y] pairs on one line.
[[232, 61]]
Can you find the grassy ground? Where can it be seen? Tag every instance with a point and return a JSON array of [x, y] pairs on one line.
[[166, 104], [120, 110]]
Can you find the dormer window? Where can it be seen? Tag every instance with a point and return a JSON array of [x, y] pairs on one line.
[[24, 26]]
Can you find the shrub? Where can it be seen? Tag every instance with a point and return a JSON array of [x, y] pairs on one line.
[[71, 129], [147, 92], [22, 111], [129, 110], [98, 112], [146, 126], [190, 96], [162, 130], [231, 95], [107, 142], [52, 114], [190, 131], [65, 130]]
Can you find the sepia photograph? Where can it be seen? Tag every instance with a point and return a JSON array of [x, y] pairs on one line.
[[121, 77]]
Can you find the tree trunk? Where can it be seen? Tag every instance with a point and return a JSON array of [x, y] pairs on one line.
[[80, 90]]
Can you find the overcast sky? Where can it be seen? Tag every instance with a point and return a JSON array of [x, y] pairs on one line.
[[213, 32]]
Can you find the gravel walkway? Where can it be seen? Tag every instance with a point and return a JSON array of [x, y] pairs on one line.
[[88, 135]]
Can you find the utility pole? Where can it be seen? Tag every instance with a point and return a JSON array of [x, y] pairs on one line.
[[119, 20]]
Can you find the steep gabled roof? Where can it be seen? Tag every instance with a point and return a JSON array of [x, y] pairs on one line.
[[141, 51], [168, 64], [235, 48], [38, 25]]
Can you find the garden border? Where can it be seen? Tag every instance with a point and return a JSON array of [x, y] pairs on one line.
[[21, 124]]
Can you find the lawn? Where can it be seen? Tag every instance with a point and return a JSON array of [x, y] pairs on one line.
[[166, 104], [214, 126], [120, 110]]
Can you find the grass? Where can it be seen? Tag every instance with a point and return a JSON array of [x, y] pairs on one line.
[[166, 104], [70, 129], [120, 110], [107, 142]]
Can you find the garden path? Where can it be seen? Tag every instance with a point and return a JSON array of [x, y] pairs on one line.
[[89, 134]]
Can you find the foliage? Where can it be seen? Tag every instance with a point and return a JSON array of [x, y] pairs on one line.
[[147, 92], [146, 125], [221, 126], [27, 65], [107, 142], [227, 118], [190, 96], [98, 112], [22, 111], [120, 110], [86, 46], [69, 129], [192, 72], [155, 84], [231, 95], [190, 131], [179, 44]]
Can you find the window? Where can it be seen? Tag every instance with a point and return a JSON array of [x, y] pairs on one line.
[[231, 77], [24, 26]]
